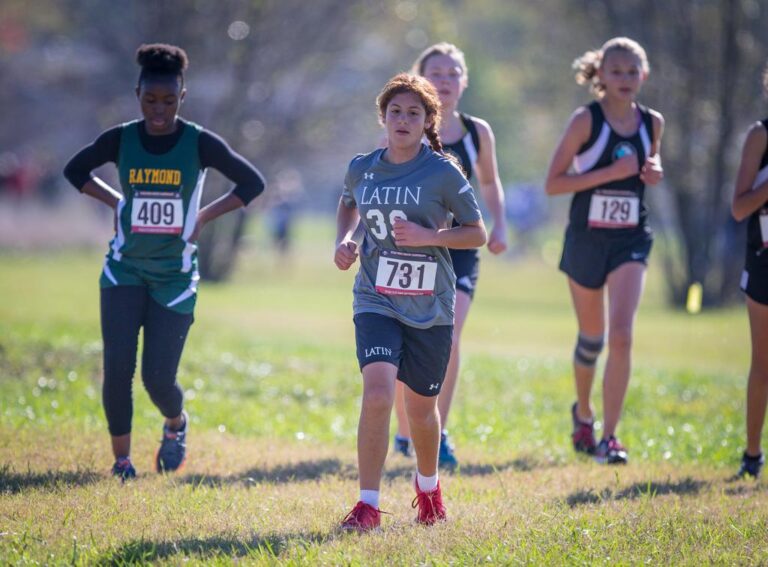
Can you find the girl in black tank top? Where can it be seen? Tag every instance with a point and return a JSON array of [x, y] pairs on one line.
[[750, 201], [606, 157], [471, 140]]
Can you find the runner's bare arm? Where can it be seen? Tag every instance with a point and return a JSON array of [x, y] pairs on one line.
[[560, 180], [346, 248], [745, 199]]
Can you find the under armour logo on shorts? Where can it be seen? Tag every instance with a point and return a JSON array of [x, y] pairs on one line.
[[434, 386]]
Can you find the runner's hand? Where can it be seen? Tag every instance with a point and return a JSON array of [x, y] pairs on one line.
[[626, 166], [409, 233], [346, 254], [652, 172], [497, 240]]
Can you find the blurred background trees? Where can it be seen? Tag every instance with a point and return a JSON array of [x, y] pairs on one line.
[[291, 84]]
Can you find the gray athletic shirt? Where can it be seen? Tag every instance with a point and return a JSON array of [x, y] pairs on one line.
[[423, 190]]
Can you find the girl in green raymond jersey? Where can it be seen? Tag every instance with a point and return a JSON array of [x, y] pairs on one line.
[[149, 279]]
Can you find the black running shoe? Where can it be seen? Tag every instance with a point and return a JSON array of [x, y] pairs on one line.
[[123, 469], [751, 466], [446, 457], [403, 446], [173, 448]]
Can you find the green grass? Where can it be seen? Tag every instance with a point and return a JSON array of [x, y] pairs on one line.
[[273, 389]]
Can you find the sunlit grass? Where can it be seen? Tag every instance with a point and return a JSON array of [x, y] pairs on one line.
[[273, 389]]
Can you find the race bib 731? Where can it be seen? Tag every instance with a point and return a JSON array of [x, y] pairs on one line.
[[405, 273]]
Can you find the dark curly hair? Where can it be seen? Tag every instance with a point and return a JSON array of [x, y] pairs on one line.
[[160, 60], [421, 87]]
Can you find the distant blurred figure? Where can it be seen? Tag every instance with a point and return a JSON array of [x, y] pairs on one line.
[[19, 176], [526, 210], [282, 215]]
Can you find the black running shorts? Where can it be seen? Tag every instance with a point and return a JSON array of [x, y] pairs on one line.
[[754, 278], [590, 255], [466, 266], [421, 355]]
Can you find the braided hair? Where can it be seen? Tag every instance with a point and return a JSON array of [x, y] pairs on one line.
[[421, 87]]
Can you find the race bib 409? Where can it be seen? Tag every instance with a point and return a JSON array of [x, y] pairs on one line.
[[157, 213]]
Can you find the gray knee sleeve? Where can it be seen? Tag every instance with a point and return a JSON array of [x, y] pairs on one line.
[[588, 349]]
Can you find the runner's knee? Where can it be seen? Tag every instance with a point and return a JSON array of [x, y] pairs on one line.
[[588, 349]]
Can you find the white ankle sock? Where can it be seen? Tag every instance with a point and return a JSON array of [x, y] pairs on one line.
[[370, 497], [426, 483]]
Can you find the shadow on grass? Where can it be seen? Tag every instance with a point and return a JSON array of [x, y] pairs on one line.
[[684, 487], [294, 472], [744, 486], [14, 482], [318, 469], [144, 551]]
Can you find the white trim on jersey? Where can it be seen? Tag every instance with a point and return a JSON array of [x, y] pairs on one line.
[[467, 187], [471, 151], [189, 223], [646, 140], [761, 177], [588, 158], [107, 272], [120, 238], [187, 293]]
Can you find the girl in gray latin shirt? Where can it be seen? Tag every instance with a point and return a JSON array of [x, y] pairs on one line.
[[404, 292]]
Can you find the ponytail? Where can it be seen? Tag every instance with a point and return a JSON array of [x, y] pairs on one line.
[[589, 64], [586, 68]]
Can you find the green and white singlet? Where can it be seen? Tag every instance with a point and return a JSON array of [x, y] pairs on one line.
[[156, 217]]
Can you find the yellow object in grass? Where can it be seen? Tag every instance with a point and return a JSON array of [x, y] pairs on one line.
[[693, 303]]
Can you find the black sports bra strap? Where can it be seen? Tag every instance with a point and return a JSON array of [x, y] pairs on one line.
[[469, 124], [647, 120], [597, 125]]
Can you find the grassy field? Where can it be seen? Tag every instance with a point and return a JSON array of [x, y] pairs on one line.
[[273, 389]]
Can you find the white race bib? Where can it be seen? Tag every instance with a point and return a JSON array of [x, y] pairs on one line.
[[405, 273], [764, 226], [157, 213], [618, 209]]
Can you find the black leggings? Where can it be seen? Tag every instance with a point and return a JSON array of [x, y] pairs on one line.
[[124, 310]]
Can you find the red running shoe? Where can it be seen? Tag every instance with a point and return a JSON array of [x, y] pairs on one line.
[[431, 508], [362, 518], [583, 435], [611, 452]]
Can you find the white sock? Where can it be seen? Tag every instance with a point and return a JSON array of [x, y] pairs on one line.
[[370, 497], [426, 483]]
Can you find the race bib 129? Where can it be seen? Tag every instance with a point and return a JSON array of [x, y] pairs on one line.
[[614, 209]]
